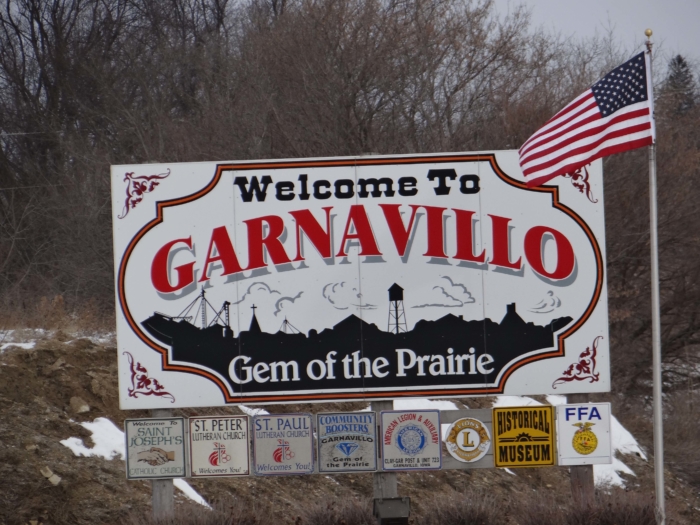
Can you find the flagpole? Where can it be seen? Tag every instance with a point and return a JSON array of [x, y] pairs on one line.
[[656, 326]]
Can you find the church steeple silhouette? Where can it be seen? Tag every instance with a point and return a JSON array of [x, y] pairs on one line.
[[254, 325]]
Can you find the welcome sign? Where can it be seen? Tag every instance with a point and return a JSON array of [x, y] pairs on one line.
[[356, 278]]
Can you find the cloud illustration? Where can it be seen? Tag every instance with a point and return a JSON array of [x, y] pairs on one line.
[[547, 305], [267, 299], [257, 288], [448, 294], [279, 305], [343, 296]]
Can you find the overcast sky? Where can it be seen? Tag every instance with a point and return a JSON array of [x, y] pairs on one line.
[[676, 23]]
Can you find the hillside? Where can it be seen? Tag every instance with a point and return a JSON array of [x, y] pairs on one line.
[[53, 385]]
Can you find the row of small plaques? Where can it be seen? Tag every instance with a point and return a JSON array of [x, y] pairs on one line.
[[283, 444]]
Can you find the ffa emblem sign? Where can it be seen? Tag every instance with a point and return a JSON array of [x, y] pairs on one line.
[[468, 440], [583, 434], [585, 441]]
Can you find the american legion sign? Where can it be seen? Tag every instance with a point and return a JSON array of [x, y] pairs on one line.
[[356, 278]]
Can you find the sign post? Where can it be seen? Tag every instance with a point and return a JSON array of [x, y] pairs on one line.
[[582, 480], [384, 483], [155, 450]]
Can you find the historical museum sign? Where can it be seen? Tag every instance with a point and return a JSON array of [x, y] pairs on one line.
[[523, 436]]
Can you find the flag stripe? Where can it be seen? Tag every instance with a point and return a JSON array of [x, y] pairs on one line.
[[580, 151], [588, 122], [615, 148], [587, 114], [574, 156], [613, 123], [563, 117], [615, 114]]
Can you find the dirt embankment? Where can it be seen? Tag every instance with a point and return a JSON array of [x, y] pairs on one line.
[[44, 393]]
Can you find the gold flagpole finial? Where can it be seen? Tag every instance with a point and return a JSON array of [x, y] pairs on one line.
[[648, 32]]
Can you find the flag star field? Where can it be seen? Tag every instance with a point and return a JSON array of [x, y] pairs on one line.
[[625, 85]]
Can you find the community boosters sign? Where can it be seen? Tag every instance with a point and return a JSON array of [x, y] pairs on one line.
[[348, 278]]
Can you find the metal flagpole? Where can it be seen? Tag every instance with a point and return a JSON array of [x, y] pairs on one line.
[[656, 325]]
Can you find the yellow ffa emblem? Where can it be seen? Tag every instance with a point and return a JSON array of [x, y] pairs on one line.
[[468, 440], [585, 441]]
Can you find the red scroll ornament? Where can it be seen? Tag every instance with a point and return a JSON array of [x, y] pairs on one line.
[[579, 180], [144, 385], [583, 369], [138, 186]]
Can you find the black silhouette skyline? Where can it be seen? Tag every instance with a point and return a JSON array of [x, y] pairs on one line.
[[215, 346]]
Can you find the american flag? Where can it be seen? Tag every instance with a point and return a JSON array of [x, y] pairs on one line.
[[614, 115]]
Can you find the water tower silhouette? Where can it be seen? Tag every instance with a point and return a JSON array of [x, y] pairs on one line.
[[397, 316]]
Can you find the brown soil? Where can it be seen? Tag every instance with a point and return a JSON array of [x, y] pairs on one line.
[[36, 387]]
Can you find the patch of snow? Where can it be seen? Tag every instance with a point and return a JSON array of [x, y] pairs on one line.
[[510, 472], [189, 492], [423, 404], [109, 443], [515, 401], [622, 441], [253, 411], [107, 437], [333, 480], [24, 346], [418, 404], [556, 400], [608, 474], [104, 338]]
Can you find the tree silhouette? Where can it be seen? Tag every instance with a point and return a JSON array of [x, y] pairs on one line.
[[680, 85]]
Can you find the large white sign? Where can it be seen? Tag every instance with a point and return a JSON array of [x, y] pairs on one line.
[[219, 446], [583, 434], [348, 278]]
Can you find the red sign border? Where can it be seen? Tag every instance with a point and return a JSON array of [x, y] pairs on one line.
[[276, 398]]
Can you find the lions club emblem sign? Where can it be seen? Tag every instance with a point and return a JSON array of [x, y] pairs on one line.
[[468, 440]]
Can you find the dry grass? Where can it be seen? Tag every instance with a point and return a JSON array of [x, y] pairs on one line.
[[232, 512], [343, 512], [467, 508], [681, 431], [616, 508]]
